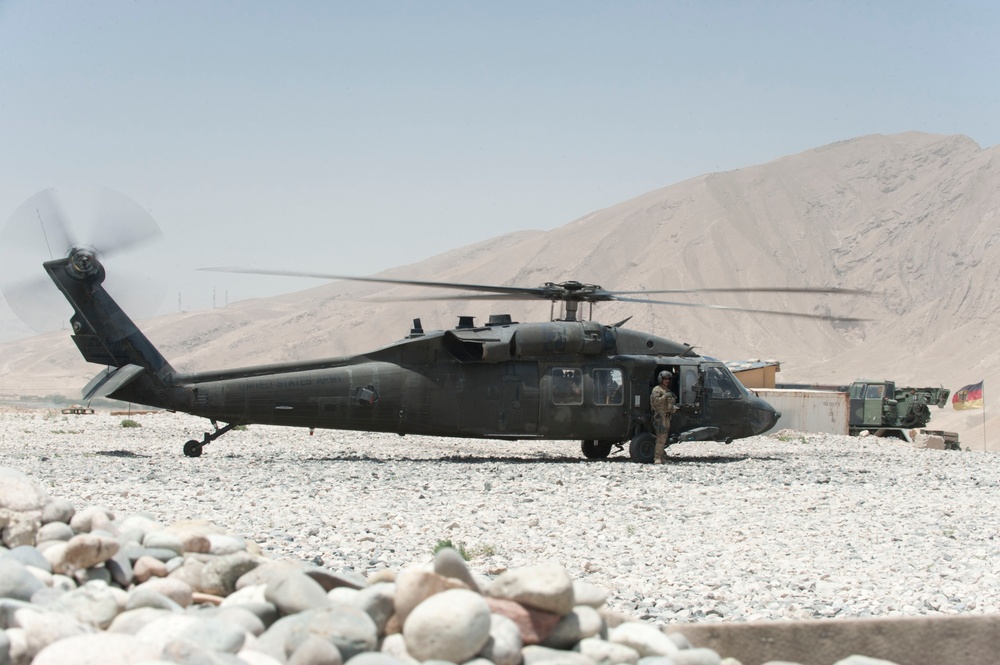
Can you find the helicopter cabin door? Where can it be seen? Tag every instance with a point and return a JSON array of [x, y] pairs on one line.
[[501, 400], [688, 385]]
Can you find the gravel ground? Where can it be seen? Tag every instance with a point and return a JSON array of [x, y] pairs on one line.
[[791, 526]]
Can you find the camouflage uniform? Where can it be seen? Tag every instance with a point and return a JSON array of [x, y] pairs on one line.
[[663, 403]]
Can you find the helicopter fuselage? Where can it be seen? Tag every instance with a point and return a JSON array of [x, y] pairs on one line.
[[556, 380], [547, 380]]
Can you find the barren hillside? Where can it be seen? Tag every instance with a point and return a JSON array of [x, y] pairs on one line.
[[913, 217]]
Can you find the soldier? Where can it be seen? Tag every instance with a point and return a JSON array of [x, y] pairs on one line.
[[663, 403]]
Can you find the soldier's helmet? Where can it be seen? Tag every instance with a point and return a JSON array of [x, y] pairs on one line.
[[665, 375]]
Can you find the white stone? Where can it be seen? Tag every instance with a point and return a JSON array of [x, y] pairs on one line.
[[453, 625]]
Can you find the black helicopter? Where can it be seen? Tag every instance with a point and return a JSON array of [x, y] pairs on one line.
[[565, 379]]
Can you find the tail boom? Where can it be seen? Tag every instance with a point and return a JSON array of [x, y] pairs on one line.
[[105, 335]]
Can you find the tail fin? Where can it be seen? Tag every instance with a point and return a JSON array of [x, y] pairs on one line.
[[105, 335]]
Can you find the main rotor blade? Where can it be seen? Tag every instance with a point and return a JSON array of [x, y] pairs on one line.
[[770, 312], [567, 291], [751, 310], [493, 297], [753, 289], [510, 290]]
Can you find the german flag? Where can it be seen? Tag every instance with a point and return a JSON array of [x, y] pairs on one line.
[[968, 397]]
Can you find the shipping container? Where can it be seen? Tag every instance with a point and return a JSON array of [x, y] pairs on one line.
[[809, 410]]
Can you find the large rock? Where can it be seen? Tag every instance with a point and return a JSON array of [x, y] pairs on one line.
[[504, 645], [581, 623], [29, 556], [21, 494], [450, 563], [176, 590], [166, 628], [377, 600], [163, 540], [54, 531], [58, 510], [453, 625], [330, 580], [95, 603], [132, 620], [347, 628], [147, 567], [139, 598], [81, 552], [535, 625], [19, 528], [603, 652], [646, 640], [544, 586], [44, 628], [93, 518], [415, 585], [220, 574], [315, 651], [539, 655], [295, 592], [585, 593], [98, 649], [214, 634], [16, 581]]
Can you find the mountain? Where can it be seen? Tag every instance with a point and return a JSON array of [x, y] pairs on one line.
[[913, 217]]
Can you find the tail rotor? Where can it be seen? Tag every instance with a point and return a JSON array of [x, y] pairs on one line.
[[41, 229]]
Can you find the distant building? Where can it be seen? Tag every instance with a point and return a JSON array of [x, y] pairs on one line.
[[755, 373]]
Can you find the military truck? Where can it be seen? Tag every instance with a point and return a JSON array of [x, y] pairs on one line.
[[883, 409]]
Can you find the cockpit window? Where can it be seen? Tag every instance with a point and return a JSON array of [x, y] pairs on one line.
[[722, 384], [567, 385], [608, 387]]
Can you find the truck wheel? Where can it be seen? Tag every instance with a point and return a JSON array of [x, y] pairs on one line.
[[643, 448], [593, 449]]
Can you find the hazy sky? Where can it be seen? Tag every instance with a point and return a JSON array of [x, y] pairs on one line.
[[357, 136]]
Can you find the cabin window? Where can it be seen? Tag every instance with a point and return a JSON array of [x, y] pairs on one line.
[[875, 391], [721, 383], [608, 387], [567, 386]]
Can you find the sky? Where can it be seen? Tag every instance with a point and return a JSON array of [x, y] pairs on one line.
[[353, 137]]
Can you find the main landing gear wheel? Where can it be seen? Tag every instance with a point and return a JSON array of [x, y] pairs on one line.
[[193, 448], [596, 449], [643, 448]]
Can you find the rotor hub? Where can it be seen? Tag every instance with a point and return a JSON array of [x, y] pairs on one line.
[[574, 291], [83, 264]]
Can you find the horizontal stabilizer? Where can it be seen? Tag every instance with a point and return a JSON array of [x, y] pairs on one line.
[[110, 380]]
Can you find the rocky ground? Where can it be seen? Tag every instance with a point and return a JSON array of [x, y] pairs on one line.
[[780, 527]]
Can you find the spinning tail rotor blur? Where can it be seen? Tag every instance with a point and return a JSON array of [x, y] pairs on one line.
[[41, 229]]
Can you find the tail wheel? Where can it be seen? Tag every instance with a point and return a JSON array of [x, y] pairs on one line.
[[593, 449], [193, 448], [643, 448]]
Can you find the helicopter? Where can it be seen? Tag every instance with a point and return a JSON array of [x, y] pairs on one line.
[[569, 378]]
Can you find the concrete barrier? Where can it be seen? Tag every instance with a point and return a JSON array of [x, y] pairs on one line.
[[938, 640]]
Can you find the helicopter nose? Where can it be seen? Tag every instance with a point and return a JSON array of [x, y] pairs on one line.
[[763, 417]]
